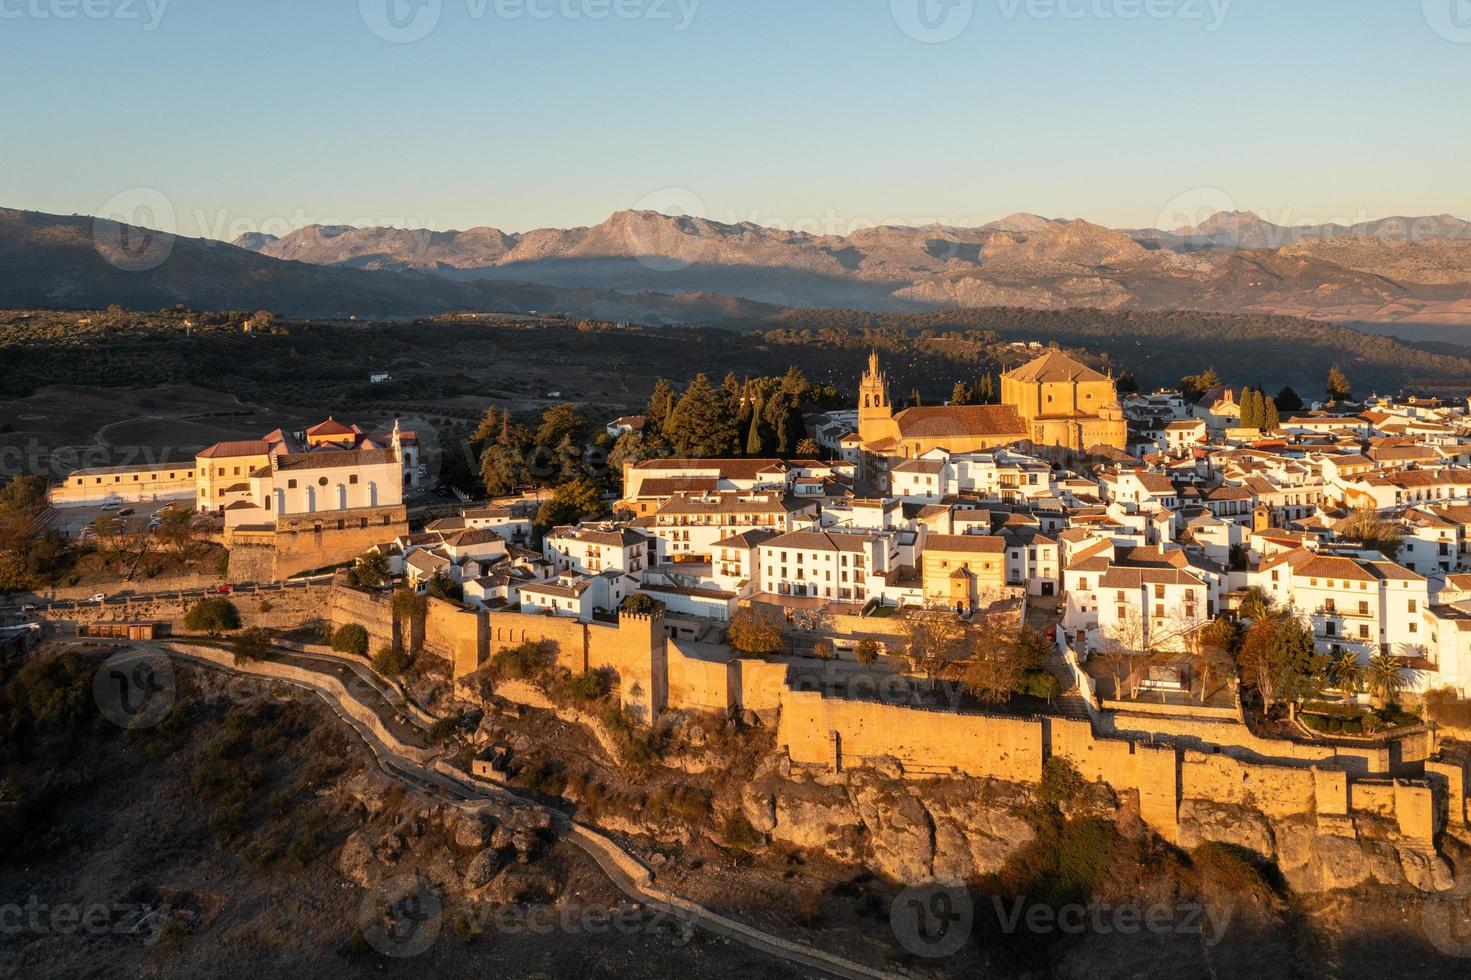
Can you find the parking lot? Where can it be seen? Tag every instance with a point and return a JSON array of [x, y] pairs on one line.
[[71, 521]]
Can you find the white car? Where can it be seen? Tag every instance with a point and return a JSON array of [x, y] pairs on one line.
[[100, 597], [112, 506]]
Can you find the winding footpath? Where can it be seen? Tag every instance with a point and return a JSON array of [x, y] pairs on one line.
[[342, 685]]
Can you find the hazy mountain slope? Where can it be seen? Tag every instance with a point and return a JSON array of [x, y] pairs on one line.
[[52, 261], [1394, 269]]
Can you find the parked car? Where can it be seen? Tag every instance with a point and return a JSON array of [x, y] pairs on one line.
[[99, 598], [221, 590], [113, 505], [126, 512]]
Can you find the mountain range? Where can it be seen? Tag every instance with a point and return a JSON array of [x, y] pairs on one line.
[[1396, 269], [656, 269]]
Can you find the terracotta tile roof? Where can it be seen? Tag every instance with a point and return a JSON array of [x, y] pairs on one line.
[[331, 427], [241, 447], [1054, 366], [959, 421], [333, 459]]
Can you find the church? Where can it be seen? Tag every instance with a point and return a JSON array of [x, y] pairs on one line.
[[1053, 405]]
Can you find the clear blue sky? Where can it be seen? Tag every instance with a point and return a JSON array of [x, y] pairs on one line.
[[255, 113]]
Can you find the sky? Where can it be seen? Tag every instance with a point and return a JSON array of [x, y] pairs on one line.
[[219, 117]]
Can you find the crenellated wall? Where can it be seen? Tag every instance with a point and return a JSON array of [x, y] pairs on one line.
[[1164, 760]]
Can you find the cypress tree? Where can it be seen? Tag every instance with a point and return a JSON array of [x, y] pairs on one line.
[[754, 446], [1271, 419]]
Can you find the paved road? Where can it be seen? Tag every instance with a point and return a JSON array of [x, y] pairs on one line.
[[464, 793], [123, 598]]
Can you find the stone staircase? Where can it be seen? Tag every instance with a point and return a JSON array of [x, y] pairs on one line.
[[1069, 704]]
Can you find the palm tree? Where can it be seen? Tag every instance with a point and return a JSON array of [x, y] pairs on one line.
[[1346, 672], [1256, 606], [1386, 678]]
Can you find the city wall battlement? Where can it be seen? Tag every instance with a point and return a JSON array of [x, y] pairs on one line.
[[1161, 760]]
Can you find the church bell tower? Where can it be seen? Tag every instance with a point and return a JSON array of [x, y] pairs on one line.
[[874, 410]]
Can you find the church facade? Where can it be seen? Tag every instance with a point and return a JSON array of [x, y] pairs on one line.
[[1053, 405]]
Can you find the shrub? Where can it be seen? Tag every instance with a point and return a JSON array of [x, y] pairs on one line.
[[390, 661], [1230, 869], [823, 649], [738, 832], [546, 778], [593, 685], [529, 661], [1040, 684], [1061, 782], [867, 652], [444, 728], [351, 638], [251, 645], [643, 604], [213, 616]]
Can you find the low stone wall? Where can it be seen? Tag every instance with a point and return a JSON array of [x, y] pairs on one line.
[[1236, 739], [287, 609], [323, 682]]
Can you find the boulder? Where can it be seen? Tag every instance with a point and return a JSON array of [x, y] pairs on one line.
[[900, 832], [482, 869], [1384, 863], [1336, 862], [977, 826], [759, 806], [817, 817], [1424, 869], [357, 862], [472, 831], [1201, 821]]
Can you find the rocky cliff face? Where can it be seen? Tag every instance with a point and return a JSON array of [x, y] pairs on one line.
[[948, 830], [963, 829], [1320, 855]]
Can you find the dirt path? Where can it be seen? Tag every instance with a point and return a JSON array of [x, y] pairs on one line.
[[626, 873]]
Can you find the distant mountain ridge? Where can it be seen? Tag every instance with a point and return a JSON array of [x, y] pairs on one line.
[[1393, 269], [81, 263]]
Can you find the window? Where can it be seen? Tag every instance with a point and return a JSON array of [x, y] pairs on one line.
[[290, 484], [321, 481], [353, 478], [1363, 632], [1412, 608]]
